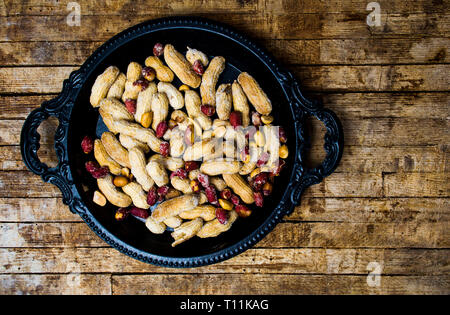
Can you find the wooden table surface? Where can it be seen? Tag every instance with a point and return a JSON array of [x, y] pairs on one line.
[[385, 209]]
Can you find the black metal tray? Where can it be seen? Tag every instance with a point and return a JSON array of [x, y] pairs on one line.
[[77, 118]]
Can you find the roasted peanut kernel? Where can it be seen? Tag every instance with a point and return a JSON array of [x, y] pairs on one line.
[[148, 73], [283, 151], [121, 214], [220, 131], [172, 124], [255, 172], [260, 139], [120, 181], [243, 211], [267, 189], [125, 172], [225, 204], [195, 185], [146, 119], [99, 198], [183, 88], [267, 119]]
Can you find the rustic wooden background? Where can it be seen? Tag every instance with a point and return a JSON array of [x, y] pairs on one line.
[[388, 201]]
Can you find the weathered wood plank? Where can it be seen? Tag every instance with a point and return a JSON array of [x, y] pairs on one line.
[[338, 6], [34, 79], [25, 184], [20, 106], [80, 284], [374, 78], [8, 8], [290, 25], [426, 159], [388, 105], [277, 261], [35, 209], [348, 185], [139, 7], [415, 184], [348, 105], [312, 52], [11, 158], [288, 234], [352, 235], [373, 210], [256, 284], [312, 78]]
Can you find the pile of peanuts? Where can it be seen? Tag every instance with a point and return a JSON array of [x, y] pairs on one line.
[[168, 159]]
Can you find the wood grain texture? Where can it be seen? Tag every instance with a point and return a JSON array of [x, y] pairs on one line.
[[275, 284], [313, 51], [290, 25], [285, 235], [260, 260], [387, 202], [140, 7], [314, 79]]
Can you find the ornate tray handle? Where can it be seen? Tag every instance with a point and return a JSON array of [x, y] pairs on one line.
[[333, 141], [59, 107]]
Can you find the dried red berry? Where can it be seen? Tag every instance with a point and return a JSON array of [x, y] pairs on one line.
[[142, 83], [121, 214], [152, 196], [91, 166], [138, 212], [263, 158], [95, 170], [164, 148], [163, 190], [182, 173], [158, 49], [130, 104], [243, 211], [236, 119], [148, 73], [100, 172], [87, 144], [221, 215], [203, 179], [198, 67], [208, 110], [259, 180], [235, 199], [211, 194], [191, 165], [259, 199], [256, 119], [225, 194], [161, 129]]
